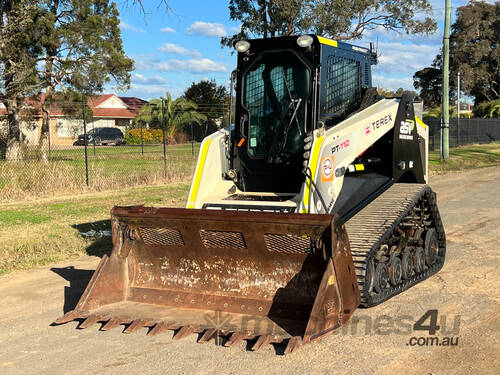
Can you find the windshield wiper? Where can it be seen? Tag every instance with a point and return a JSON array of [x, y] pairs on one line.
[[287, 127], [295, 108]]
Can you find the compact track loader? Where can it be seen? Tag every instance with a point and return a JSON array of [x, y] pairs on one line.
[[315, 202]]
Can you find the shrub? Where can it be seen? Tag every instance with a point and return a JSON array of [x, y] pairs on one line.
[[154, 136], [150, 136]]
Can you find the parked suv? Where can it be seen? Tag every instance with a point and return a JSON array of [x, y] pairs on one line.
[[102, 136]]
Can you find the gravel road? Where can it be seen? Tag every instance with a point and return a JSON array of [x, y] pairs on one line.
[[378, 340]]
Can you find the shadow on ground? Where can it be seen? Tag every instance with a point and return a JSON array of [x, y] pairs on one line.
[[99, 232], [78, 280]]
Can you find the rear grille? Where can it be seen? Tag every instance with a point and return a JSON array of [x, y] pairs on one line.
[[161, 236], [225, 240], [288, 243]]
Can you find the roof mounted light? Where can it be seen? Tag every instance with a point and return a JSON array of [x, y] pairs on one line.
[[305, 41], [242, 45]]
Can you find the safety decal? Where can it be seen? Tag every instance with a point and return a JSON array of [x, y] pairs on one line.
[[406, 129], [327, 165]]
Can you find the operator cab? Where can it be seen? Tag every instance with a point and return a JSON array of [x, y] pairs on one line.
[[285, 88]]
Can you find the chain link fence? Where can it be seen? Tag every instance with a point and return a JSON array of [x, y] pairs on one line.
[[65, 171], [66, 165], [464, 131]]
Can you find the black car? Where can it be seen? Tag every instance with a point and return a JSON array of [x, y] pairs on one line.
[[101, 136]]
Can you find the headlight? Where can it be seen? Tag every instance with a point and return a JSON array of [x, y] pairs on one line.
[[242, 45], [305, 40]]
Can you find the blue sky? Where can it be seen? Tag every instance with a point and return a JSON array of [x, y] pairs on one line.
[[172, 50]]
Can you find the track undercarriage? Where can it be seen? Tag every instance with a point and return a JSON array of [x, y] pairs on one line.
[[396, 241]]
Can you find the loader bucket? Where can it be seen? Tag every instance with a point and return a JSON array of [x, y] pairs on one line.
[[265, 277]]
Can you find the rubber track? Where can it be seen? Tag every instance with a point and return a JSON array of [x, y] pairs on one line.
[[373, 226]]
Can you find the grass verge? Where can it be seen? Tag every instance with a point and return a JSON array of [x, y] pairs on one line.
[[466, 157], [39, 233]]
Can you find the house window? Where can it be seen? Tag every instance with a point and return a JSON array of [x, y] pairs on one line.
[[122, 122]]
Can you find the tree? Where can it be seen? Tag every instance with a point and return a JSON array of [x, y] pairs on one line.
[[489, 109], [178, 113], [211, 100], [342, 20], [48, 44], [19, 48], [429, 82], [474, 50], [82, 51], [395, 94]]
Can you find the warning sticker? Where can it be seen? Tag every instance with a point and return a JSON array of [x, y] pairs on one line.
[[327, 168]]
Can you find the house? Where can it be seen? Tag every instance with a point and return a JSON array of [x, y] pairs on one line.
[[108, 110]]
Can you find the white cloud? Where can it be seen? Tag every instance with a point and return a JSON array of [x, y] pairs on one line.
[[178, 50], [167, 30], [207, 29], [396, 57], [152, 92], [235, 29], [139, 79], [392, 83], [127, 26], [203, 65]]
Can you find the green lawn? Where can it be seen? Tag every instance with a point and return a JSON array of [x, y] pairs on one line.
[[466, 157]]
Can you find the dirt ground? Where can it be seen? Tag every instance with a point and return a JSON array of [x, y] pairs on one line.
[[378, 340]]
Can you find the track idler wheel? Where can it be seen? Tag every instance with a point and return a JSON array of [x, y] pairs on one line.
[[396, 271], [381, 277], [431, 247], [419, 260], [407, 264], [370, 276]]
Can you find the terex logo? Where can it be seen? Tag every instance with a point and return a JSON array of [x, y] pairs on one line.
[[377, 124]]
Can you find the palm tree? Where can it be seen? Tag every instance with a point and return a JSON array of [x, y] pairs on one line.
[[174, 113]]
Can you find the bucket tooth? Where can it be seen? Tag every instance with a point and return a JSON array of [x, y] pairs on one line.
[[293, 344], [264, 340], [208, 335], [68, 317], [236, 338], [91, 320], [158, 328], [115, 322], [184, 332], [137, 325]]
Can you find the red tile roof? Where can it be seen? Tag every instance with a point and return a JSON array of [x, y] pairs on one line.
[[56, 110]]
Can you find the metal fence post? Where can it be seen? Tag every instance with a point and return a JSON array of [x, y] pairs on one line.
[[164, 137], [142, 140], [86, 141]]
